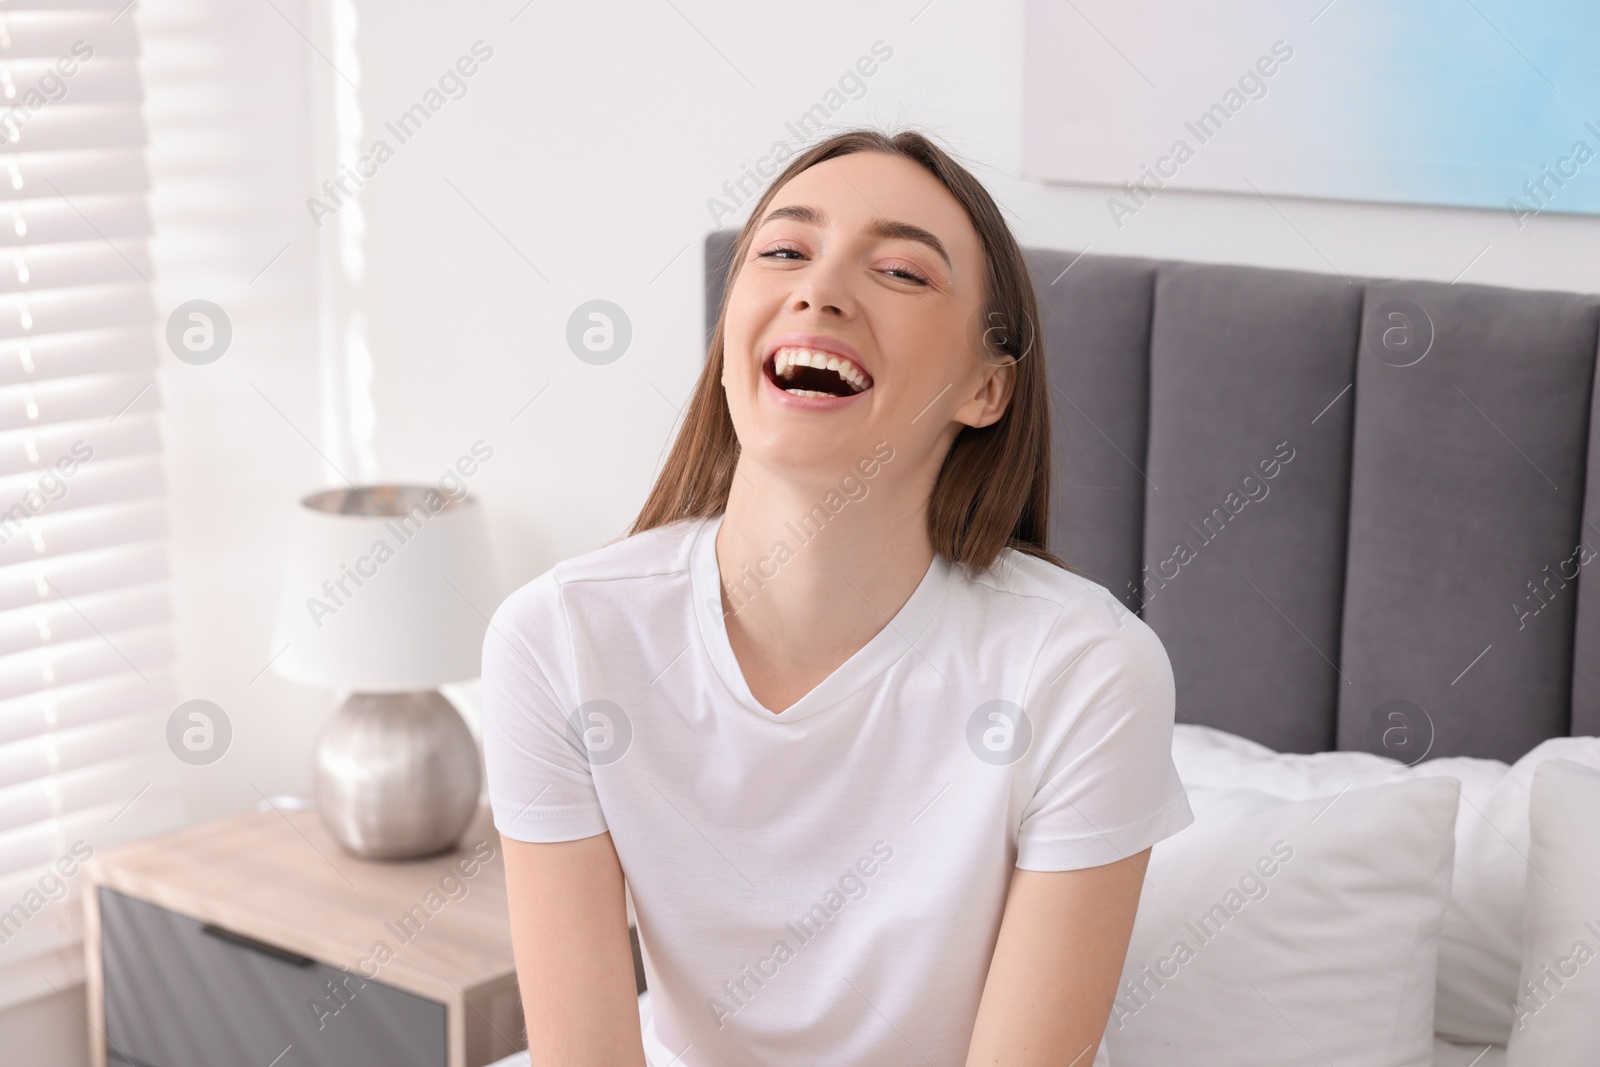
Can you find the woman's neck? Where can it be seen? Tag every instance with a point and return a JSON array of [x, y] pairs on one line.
[[811, 573]]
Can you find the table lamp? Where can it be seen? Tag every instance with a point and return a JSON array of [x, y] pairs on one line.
[[387, 596]]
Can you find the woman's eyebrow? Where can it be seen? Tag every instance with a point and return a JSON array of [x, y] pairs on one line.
[[797, 212], [880, 227], [906, 231]]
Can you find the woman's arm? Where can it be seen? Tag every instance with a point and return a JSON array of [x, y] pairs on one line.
[[1054, 974], [569, 931]]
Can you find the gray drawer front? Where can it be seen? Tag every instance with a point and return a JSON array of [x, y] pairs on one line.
[[178, 996]]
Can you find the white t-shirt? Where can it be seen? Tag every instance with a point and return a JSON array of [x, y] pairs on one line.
[[825, 885]]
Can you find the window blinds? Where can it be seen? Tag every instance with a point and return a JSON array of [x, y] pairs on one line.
[[86, 648]]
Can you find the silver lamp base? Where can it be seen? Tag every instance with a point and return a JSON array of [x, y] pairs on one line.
[[397, 775]]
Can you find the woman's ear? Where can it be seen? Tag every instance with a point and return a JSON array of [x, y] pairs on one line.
[[992, 396]]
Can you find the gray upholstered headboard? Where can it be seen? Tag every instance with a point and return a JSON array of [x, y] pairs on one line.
[[1407, 580]]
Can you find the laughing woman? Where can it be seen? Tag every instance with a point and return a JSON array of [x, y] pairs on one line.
[[881, 773]]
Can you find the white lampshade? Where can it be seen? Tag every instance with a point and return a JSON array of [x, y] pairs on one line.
[[388, 589]]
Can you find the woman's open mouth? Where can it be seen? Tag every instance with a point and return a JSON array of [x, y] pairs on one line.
[[811, 373]]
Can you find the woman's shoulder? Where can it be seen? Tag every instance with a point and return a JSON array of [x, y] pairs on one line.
[[660, 551], [1019, 574], [1077, 612]]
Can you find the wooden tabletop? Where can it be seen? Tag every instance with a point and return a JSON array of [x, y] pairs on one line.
[[279, 876]]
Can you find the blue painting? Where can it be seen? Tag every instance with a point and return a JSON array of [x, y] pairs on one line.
[[1491, 104]]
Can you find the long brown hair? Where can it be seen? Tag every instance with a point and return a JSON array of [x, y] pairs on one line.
[[993, 490]]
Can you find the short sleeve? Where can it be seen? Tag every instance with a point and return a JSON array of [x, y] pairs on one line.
[[1102, 697], [541, 786]]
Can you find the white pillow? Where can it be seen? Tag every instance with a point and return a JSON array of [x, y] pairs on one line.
[[1480, 947], [1205, 755], [1557, 1013], [1279, 933]]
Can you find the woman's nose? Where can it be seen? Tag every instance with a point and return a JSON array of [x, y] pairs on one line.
[[821, 290]]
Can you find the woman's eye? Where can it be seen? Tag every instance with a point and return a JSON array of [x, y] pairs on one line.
[[793, 254], [907, 273]]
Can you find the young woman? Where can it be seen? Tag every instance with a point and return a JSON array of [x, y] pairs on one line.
[[882, 773]]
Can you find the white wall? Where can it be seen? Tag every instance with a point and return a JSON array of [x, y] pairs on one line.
[[584, 151]]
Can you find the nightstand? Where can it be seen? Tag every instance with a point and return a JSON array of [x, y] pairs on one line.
[[255, 941]]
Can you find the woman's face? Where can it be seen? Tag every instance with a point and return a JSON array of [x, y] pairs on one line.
[[855, 320]]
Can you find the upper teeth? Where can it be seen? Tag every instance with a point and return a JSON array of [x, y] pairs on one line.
[[787, 359]]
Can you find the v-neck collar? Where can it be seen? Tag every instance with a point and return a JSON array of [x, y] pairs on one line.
[[885, 648]]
